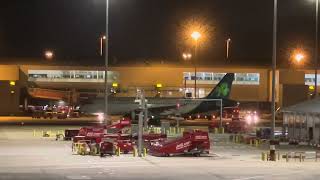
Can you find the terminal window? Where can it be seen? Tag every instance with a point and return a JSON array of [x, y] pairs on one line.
[[309, 79], [71, 75], [214, 78]]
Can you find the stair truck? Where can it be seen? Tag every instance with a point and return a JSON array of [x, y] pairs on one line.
[[106, 139], [194, 143]]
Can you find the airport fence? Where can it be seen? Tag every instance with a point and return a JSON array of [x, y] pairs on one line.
[[242, 139], [295, 156]]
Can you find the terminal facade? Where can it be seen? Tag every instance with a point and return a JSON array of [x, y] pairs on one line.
[[252, 84]]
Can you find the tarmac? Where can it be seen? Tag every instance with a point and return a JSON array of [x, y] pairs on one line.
[[25, 156]]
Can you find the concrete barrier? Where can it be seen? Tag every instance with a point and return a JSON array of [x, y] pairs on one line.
[[257, 142], [301, 156], [221, 130], [144, 152], [237, 139], [215, 130], [118, 151], [135, 152], [263, 156]]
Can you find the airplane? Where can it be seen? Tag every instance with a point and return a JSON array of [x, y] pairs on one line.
[[209, 105], [168, 107]]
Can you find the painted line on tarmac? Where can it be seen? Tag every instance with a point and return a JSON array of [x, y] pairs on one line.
[[216, 155], [150, 162], [252, 177], [78, 177]]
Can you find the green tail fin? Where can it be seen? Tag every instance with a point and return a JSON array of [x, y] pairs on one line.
[[223, 88]]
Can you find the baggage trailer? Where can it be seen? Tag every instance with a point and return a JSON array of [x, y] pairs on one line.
[[194, 143]]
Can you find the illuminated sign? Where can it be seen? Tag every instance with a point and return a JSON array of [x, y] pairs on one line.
[[114, 84], [12, 83]]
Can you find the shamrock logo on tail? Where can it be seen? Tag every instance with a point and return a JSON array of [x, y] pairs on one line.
[[223, 90]]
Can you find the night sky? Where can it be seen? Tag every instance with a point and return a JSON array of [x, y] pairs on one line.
[[148, 30]]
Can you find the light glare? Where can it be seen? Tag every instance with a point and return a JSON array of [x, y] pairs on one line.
[[196, 35], [48, 54]]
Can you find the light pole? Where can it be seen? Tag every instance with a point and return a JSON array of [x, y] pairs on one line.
[[106, 112], [195, 36], [228, 47], [274, 66], [316, 51], [101, 44], [186, 57]]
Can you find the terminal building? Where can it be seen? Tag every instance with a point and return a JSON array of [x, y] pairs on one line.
[[21, 84]]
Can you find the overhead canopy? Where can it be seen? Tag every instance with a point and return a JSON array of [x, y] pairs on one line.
[[310, 106]]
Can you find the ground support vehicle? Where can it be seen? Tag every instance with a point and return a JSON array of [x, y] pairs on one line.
[[195, 143], [110, 145], [264, 133], [48, 114], [62, 115], [124, 122], [107, 147], [69, 134], [231, 113], [81, 147], [249, 139], [74, 114], [96, 131], [37, 114], [85, 147], [107, 139], [237, 126]]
